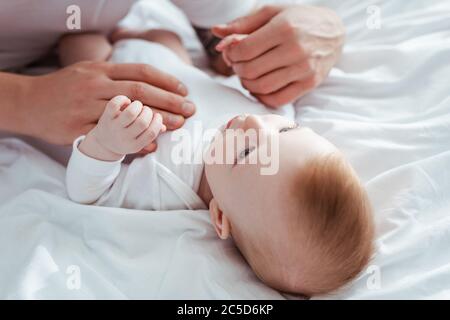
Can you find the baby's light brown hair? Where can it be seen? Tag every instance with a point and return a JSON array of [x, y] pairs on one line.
[[340, 223], [328, 233]]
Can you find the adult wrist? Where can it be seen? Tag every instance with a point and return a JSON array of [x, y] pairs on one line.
[[13, 114], [26, 104]]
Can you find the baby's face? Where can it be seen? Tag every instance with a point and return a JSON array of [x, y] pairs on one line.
[[243, 193]]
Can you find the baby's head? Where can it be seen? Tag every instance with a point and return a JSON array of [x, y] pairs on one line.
[[306, 229]]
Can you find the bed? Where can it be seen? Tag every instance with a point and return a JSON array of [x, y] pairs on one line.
[[386, 105]]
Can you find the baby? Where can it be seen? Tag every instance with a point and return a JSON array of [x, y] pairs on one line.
[[306, 229]]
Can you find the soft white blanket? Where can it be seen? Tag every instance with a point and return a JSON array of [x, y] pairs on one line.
[[386, 104]]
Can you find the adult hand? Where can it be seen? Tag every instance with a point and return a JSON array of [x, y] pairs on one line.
[[289, 50], [62, 105]]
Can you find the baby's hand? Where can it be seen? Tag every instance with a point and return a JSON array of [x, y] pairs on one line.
[[229, 42], [125, 127]]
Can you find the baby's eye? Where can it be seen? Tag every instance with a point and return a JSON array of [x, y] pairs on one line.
[[244, 153]]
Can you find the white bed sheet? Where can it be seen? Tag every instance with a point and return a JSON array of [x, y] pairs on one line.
[[386, 105]]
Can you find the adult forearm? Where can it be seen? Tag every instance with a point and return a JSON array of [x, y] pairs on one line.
[[13, 91], [74, 48]]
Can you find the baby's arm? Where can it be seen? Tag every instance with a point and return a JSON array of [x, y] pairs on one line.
[[74, 48], [95, 164], [164, 37]]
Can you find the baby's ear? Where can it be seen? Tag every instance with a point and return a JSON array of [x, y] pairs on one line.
[[219, 220]]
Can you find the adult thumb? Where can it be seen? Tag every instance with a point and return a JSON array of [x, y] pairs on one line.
[[247, 24]]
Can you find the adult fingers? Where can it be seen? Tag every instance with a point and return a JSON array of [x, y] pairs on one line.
[[149, 149], [147, 74], [247, 24], [280, 78], [130, 114], [154, 97], [257, 43], [289, 93], [281, 56]]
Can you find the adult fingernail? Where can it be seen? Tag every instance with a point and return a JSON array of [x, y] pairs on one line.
[[221, 26], [152, 147], [174, 121], [182, 89], [188, 108]]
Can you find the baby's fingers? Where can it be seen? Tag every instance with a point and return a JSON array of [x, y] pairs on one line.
[[130, 114], [141, 123], [114, 106], [156, 127], [229, 41]]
